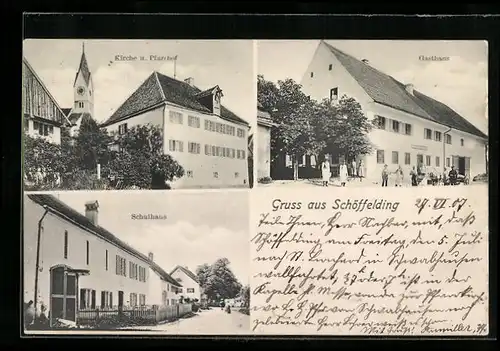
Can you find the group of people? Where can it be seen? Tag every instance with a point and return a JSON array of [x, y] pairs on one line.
[[357, 170], [417, 176]]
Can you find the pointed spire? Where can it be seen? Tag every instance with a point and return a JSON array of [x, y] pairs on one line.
[[83, 48], [84, 67]]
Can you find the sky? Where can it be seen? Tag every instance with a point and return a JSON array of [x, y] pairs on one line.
[[228, 64], [461, 82], [200, 227]]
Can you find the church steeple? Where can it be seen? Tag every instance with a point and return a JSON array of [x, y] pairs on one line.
[[83, 87]]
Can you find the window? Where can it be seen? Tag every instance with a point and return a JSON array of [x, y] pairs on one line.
[[26, 125], [334, 94], [395, 126], [88, 252], [122, 128], [194, 122], [437, 136], [241, 133], [190, 290], [66, 244], [207, 124], [447, 138], [330, 66], [193, 148], [106, 259], [175, 117], [427, 133], [461, 142], [380, 122], [81, 104], [395, 157], [380, 157], [142, 300], [408, 129], [133, 300], [87, 299], [106, 300], [437, 161], [189, 174], [216, 174], [407, 158], [142, 274], [236, 174], [133, 270], [240, 154], [208, 150], [121, 266], [427, 160], [312, 74], [175, 145], [448, 162]]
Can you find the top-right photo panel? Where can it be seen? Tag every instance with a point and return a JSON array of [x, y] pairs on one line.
[[367, 113]]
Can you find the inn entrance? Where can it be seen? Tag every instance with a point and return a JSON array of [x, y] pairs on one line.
[[63, 292], [462, 165]]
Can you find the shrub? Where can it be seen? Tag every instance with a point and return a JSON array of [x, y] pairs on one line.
[[265, 180], [195, 307], [84, 180]]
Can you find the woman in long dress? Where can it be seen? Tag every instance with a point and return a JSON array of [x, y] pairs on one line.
[[343, 173], [361, 170], [399, 176], [325, 172]]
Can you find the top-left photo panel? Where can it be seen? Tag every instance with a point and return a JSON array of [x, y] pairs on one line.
[[138, 114]]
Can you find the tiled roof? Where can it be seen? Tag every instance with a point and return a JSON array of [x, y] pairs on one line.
[[84, 68], [66, 111], [74, 117], [187, 272], [62, 209], [388, 91], [158, 88]]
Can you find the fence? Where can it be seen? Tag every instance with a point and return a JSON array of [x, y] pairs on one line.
[[144, 315]]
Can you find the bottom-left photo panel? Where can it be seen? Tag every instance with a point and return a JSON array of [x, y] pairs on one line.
[[140, 262]]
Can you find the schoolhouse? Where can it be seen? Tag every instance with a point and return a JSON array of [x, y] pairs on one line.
[[411, 127], [208, 140], [190, 284]]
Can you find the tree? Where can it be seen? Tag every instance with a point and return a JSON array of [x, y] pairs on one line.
[[91, 145], [221, 282], [202, 272], [245, 294], [291, 110], [141, 161]]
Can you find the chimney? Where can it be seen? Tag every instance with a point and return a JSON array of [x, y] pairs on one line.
[[409, 88], [190, 81], [150, 256], [91, 210], [365, 61]]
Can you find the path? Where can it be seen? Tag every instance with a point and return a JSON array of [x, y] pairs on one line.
[[213, 321]]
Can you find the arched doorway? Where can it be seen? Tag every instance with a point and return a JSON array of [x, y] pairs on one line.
[[64, 292]]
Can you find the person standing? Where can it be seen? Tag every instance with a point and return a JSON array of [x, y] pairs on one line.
[[453, 175], [413, 175], [343, 173], [385, 176], [325, 172], [399, 176], [361, 170], [353, 168]]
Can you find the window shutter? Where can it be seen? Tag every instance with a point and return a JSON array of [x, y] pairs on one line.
[[82, 299], [93, 299], [103, 299], [111, 299]]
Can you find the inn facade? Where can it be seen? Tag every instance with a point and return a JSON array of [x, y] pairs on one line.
[[81, 266], [411, 127], [204, 137]]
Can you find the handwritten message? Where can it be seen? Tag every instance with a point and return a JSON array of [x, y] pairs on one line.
[[342, 262]]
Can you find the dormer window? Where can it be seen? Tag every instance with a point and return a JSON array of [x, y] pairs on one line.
[[211, 99], [217, 98]]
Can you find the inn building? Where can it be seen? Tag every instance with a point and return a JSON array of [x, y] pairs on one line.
[[208, 140], [411, 127], [74, 264], [43, 117]]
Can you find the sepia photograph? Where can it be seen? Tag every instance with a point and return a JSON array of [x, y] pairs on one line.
[[361, 113], [136, 262], [137, 114]]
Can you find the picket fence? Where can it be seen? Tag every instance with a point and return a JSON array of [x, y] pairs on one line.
[[143, 315]]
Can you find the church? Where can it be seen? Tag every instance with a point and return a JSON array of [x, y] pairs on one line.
[[83, 92]]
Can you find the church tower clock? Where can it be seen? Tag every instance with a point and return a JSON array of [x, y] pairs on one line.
[[83, 88]]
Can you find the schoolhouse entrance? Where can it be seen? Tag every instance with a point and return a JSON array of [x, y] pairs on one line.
[[63, 292]]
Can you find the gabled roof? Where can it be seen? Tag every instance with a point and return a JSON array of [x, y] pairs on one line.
[[263, 116], [66, 111], [187, 272], [164, 275], [159, 88], [65, 212], [74, 117], [388, 91], [84, 68], [33, 72]]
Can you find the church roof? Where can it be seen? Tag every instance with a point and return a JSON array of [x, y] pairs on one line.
[[66, 111], [74, 117], [388, 91], [84, 68], [159, 88]]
